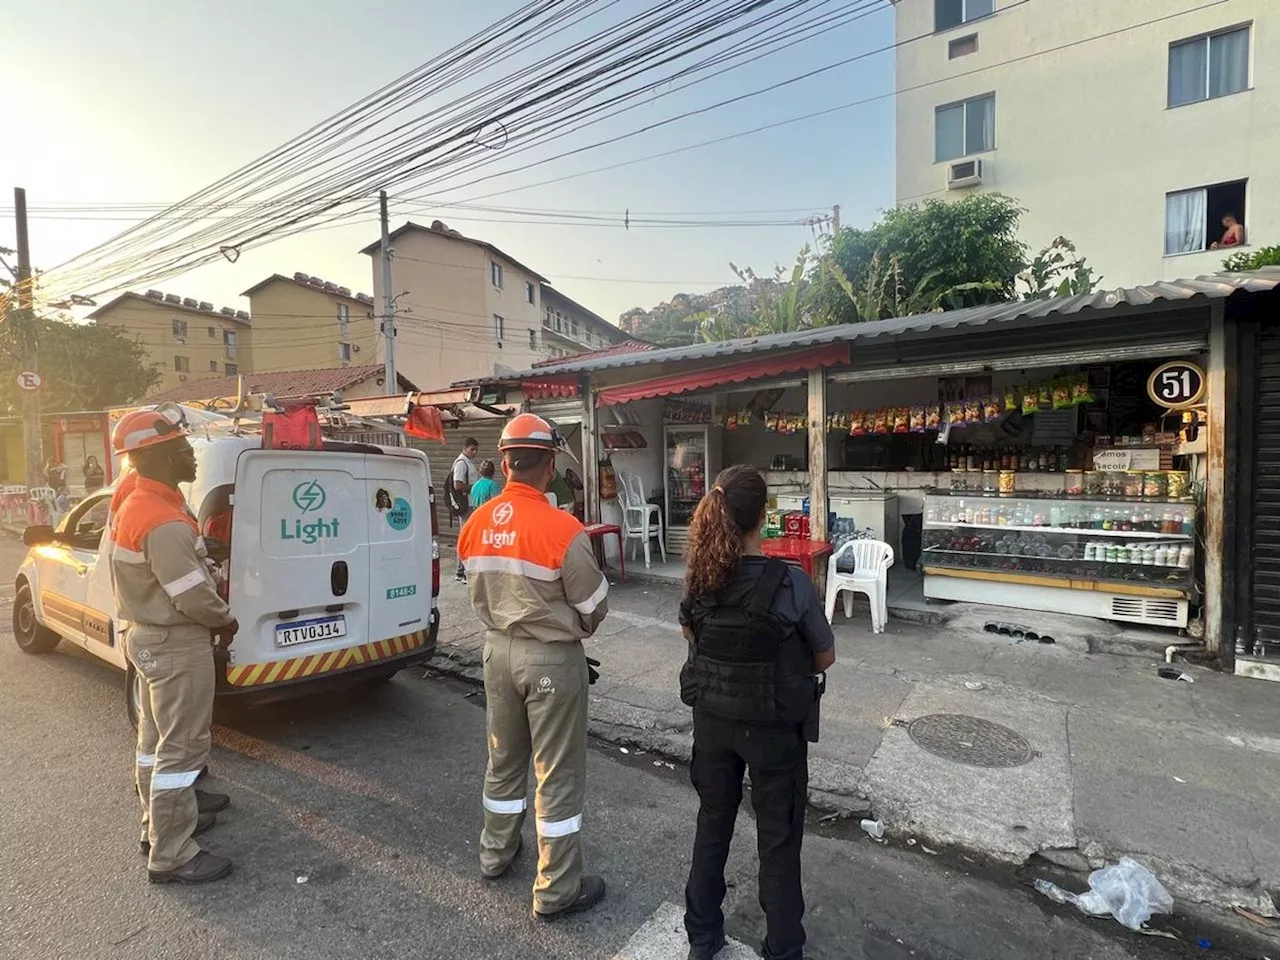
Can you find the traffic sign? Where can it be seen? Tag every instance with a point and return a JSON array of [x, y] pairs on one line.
[[30, 380], [1176, 384]]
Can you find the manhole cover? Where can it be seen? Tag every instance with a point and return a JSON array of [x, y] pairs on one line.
[[970, 740]]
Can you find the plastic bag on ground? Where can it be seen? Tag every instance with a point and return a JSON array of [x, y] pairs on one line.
[[1127, 891]]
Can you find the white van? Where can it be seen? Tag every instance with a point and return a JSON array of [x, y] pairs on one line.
[[330, 559]]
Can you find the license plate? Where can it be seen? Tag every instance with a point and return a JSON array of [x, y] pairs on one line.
[[304, 631]]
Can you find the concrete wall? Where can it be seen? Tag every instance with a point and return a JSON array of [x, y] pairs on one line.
[[295, 327], [1084, 138]]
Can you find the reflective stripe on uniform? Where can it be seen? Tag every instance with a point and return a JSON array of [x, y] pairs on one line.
[[588, 606], [146, 759], [173, 781], [524, 568], [504, 806], [125, 555], [184, 583], [550, 829]]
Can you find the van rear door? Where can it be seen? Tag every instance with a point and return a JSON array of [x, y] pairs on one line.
[[398, 495], [300, 562]]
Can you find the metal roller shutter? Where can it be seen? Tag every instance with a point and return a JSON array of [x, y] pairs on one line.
[[486, 432], [1265, 573]]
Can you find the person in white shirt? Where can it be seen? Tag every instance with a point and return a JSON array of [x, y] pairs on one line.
[[464, 474]]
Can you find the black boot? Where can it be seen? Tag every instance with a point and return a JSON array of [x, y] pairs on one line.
[[590, 893], [204, 867], [211, 802], [707, 953]]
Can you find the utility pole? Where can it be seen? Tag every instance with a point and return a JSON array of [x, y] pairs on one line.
[[835, 220], [24, 316], [388, 301]]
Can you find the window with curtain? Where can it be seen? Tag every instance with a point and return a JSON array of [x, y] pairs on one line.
[[1202, 219], [1203, 68], [963, 129], [1184, 221], [952, 13]]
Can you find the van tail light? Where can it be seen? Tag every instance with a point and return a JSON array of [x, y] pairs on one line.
[[217, 541], [218, 528], [435, 546]]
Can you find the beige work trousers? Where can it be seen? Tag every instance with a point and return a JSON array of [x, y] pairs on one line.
[[536, 709], [174, 719]]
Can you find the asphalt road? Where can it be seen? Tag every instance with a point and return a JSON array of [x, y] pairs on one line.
[[354, 827]]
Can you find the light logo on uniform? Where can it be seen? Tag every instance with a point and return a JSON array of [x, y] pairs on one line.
[[502, 514]]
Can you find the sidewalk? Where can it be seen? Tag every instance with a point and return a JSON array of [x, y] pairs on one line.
[[1183, 776]]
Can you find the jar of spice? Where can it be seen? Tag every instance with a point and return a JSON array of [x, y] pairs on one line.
[[1007, 481], [1113, 483], [1133, 483], [1074, 485], [1179, 484], [1155, 483], [990, 480], [1093, 483]]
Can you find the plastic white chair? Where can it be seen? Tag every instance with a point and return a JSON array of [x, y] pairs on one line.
[[641, 521], [871, 562]]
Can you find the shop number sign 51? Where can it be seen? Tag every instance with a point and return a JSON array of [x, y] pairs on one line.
[[1176, 384]]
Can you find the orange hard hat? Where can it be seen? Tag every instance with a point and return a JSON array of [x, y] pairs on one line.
[[146, 428], [528, 431]]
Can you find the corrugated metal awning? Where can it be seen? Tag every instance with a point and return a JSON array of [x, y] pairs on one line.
[[754, 369]]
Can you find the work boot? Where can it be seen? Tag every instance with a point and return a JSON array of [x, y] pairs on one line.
[[204, 867], [211, 802], [589, 894], [204, 821], [708, 953], [503, 872]]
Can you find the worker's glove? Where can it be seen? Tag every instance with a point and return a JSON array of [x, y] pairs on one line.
[[223, 635], [592, 673]]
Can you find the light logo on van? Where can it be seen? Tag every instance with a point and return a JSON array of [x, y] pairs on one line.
[[308, 497]]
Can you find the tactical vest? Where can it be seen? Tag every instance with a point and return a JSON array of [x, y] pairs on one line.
[[744, 662]]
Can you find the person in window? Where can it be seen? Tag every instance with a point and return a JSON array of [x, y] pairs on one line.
[[758, 637], [94, 475], [486, 488], [1233, 233]]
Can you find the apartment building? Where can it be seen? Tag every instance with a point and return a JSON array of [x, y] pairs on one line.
[[1132, 128], [305, 323], [186, 338], [569, 328], [466, 309]]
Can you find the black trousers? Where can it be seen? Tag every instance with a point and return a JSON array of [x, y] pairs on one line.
[[778, 758]]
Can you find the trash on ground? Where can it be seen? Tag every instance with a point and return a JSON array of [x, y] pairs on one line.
[[873, 828], [1255, 917], [303, 879], [911, 841], [1173, 673], [1179, 779], [1127, 891], [657, 763], [974, 685], [623, 750], [932, 853], [1205, 943]]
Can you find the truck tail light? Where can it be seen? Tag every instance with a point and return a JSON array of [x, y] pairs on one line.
[[435, 546]]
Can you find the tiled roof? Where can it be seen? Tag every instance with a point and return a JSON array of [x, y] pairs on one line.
[[280, 383], [626, 346]]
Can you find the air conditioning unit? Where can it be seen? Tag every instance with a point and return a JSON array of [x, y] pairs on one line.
[[182, 377], [355, 348], [964, 173]]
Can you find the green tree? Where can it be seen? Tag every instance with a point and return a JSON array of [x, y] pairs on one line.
[[1058, 271], [941, 253], [84, 366], [1253, 259]]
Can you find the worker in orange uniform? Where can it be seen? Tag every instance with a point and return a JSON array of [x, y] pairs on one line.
[[171, 616], [535, 585]]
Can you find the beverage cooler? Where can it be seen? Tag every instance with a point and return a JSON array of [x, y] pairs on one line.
[[691, 463], [1115, 558]]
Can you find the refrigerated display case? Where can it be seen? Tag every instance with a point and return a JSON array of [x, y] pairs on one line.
[[691, 465], [1128, 559]]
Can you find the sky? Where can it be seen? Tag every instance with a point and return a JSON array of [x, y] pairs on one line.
[[149, 101]]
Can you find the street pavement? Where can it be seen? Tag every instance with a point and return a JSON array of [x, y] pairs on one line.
[[354, 826]]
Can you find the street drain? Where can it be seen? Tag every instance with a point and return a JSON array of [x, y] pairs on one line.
[[1016, 632], [970, 740]]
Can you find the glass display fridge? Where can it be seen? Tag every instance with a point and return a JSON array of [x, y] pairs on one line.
[[691, 466], [1115, 558]]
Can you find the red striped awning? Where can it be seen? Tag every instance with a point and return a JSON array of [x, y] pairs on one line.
[[546, 388], [755, 368]]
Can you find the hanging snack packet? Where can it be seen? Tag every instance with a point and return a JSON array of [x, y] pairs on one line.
[[1080, 392], [1010, 399], [857, 423], [973, 411], [1030, 399], [1062, 394], [933, 417], [917, 419], [991, 409], [1046, 396], [955, 413], [881, 422], [901, 419]]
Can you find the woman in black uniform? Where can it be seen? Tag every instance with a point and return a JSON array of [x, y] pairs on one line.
[[757, 639]]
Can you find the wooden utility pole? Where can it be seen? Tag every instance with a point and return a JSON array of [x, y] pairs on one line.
[[23, 316]]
